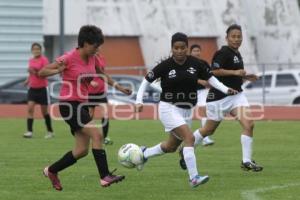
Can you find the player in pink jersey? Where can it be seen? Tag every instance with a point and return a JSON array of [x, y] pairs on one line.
[[37, 93], [98, 97], [76, 68]]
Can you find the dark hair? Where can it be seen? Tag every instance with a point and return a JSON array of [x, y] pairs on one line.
[[36, 44], [233, 27], [90, 34], [195, 46], [179, 37]]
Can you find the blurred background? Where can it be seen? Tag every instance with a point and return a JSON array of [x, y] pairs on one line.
[[138, 36]]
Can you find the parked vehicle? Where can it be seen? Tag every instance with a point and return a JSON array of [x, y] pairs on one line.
[[15, 92], [279, 87]]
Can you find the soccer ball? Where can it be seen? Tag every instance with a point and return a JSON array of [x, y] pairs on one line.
[[130, 155]]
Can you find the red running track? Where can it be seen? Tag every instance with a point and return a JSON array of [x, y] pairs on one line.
[[125, 112]]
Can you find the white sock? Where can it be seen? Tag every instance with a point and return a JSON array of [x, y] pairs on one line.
[[203, 121], [153, 151], [190, 161], [198, 137], [246, 148]]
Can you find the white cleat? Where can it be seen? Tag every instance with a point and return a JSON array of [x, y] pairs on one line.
[[27, 134], [207, 141], [198, 180], [49, 135]]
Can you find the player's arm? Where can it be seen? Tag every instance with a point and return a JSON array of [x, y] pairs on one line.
[[52, 69], [140, 95], [111, 82], [33, 71], [203, 83], [226, 72], [214, 82]]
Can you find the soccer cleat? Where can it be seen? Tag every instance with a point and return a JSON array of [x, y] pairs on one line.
[[207, 141], [247, 166], [198, 180], [27, 134], [182, 163], [53, 178], [108, 141], [141, 166], [49, 135], [111, 179]]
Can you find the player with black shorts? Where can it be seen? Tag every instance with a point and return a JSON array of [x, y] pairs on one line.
[[76, 67], [37, 92]]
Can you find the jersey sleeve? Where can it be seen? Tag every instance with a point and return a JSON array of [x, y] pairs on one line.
[[205, 72], [219, 60], [65, 59], [155, 73]]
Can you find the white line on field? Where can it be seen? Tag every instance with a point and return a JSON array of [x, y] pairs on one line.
[[253, 194]]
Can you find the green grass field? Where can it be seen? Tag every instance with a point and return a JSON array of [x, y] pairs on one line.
[[276, 147]]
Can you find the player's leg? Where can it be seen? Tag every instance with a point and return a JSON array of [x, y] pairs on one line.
[[105, 122], [243, 114], [47, 118], [185, 133], [106, 177], [30, 114]]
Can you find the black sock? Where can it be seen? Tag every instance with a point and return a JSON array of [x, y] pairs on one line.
[[29, 124], [101, 162], [48, 123], [105, 126], [66, 161]]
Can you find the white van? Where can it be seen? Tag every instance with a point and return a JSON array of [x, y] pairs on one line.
[[281, 88]]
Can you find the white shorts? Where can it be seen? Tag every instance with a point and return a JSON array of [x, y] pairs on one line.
[[216, 110], [172, 116], [201, 95]]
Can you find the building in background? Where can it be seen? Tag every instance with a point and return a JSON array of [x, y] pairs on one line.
[[138, 31]]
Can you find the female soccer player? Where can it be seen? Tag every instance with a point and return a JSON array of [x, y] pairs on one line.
[[228, 67], [97, 96], [37, 93], [179, 75], [76, 68], [195, 50]]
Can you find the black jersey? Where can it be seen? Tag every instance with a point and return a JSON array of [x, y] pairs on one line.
[[201, 87], [228, 59], [179, 82]]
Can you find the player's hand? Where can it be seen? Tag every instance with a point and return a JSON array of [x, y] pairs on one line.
[[61, 66], [232, 91], [26, 82], [138, 107], [94, 84], [127, 91], [240, 72], [251, 77]]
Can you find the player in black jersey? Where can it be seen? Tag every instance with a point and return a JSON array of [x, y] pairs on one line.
[[228, 67], [195, 50], [179, 76]]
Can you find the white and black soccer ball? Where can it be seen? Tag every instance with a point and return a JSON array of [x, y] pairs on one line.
[[130, 155]]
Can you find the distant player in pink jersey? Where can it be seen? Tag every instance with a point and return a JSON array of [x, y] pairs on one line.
[[76, 68], [98, 97], [37, 93]]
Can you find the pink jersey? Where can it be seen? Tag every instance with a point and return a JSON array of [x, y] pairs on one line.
[[37, 64], [76, 76], [101, 86]]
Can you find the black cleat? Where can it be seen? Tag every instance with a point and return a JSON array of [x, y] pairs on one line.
[[182, 161], [247, 166]]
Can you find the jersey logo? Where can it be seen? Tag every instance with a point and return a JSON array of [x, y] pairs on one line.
[[172, 74], [191, 70], [150, 75], [236, 59]]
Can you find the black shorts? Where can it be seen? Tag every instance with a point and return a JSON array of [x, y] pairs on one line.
[[95, 99], [38, 95], [75, 114]]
